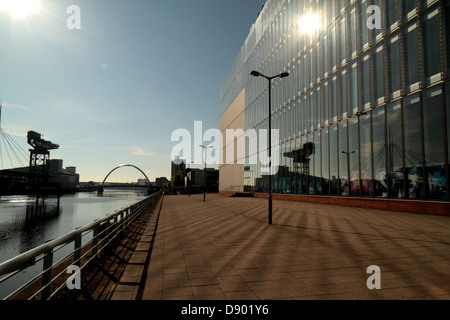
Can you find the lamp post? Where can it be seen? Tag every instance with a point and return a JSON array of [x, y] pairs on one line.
[[281, 75], [206, 180]]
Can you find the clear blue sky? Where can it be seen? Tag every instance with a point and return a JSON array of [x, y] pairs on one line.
[[114, 91]]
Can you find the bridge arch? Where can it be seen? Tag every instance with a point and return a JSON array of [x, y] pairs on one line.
[[121, 166]]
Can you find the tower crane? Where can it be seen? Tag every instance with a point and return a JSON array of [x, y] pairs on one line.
[[39, 156]]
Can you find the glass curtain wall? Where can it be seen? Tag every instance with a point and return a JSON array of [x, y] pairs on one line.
[[364, 112]]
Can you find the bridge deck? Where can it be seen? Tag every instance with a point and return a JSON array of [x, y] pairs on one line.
[[224, 249]]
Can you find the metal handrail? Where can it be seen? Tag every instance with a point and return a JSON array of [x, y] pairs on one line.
[[121, 219]]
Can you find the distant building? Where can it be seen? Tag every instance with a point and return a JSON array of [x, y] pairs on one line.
[[66, 178], [143, 182], [195, 179], [62, 177], [178, 165], [161, 182]]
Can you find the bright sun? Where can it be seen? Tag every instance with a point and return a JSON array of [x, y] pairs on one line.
[[19, 8], [309, 23]]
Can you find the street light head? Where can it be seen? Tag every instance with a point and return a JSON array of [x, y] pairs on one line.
[[255, 73], [284, 75]]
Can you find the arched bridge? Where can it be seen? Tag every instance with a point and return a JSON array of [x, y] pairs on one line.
[[126, 185]]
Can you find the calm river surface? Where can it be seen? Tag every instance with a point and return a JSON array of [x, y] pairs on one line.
[[24, 227]]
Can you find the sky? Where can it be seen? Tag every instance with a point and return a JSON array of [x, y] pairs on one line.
[[114, 91]]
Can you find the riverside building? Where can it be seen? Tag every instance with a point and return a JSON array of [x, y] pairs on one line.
[[364, 114]]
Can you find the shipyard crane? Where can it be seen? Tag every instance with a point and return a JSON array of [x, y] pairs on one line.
[[39, 155], [301, 157]]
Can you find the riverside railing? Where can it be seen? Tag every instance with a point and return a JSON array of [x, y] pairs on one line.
[[44, 269]]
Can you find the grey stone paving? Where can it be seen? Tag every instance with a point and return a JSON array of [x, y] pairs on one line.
[[224, 249]]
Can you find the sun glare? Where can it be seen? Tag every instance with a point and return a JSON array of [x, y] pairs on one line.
[[19, 8], [310, 23]]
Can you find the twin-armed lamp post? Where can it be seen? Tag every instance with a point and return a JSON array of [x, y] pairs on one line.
[[281, 75]]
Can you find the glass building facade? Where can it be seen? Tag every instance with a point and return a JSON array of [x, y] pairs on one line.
[[365, 111]]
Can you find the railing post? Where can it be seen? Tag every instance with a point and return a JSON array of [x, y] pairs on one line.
[[95, 241], [122, 221], [47, 274], [115, 232], [77, 252]]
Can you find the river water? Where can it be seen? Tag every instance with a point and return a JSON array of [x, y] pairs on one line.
[[24, 226]]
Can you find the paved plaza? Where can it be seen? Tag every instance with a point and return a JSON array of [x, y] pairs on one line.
[[224, 249]]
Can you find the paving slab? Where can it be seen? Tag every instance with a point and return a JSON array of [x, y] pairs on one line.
[[224, 249]]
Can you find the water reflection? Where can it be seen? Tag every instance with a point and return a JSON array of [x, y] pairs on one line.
[[26, 223]]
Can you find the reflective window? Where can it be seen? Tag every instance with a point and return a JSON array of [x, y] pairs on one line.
[[302, 161], [331, 10], [317, 108], [353, 88], [363, 31], [343, 158], [301, 75], [341, 37], [334, 175], [375, 32], [408, 8], [447, 94], [316, 70], [413, 147], [351, 33], [310, 111], [310, 68], [364, 81], [317, 163], [323, 4], [296, 164], [410, 58], [395, 149], [333, 98], [324, 102], [342, 94], [292, 116], [325, 163], [447, 31], [379, 152], [353, 156], [431, 46], [284, 170], [378, 72], [390, 7], [366, 155], [304, 117], [433, 127], [332, 48], [289, 167], [323, 54], [298, 117], [309, 167], [307, 69], [393, 67]]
